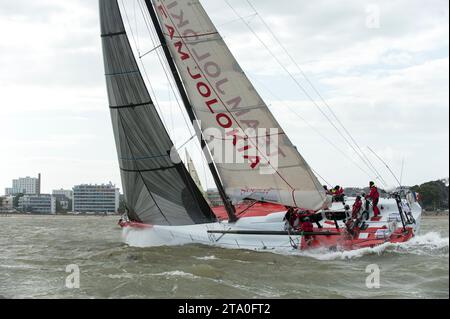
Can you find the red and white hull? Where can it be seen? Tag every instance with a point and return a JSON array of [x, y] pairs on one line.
[[269, 218]]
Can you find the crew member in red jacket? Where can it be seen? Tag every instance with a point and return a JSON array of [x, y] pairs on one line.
[[374, 195], [338, 194], [308, 227], [357, 207]]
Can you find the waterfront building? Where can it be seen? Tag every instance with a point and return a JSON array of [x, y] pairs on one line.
[[68, 193], [95, 198], [42, 204], [64, 204], [63, 200], [25, 185]]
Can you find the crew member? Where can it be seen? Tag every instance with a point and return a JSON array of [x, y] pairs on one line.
[[308, 227], [356, 209], [338, 194], [289, 213], [290, 217], [293, 217], [374, 195]]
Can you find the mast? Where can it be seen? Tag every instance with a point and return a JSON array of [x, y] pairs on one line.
[[231, 211]]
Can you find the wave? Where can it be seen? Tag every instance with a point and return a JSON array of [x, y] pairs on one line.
[[212, 257], [121, 276], [428, 244], [431, 244], [176, 273]]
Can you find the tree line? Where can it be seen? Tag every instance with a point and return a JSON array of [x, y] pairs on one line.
[[433, 195]]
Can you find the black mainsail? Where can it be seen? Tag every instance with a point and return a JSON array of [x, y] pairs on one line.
[[157, 190]]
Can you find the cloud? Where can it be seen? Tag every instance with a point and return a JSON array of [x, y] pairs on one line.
[[388, 85], [55, 43]]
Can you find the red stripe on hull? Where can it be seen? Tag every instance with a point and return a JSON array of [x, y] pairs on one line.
[[259, 209], [134, 225]]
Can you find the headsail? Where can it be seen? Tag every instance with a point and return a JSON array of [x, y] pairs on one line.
[[157, 191], [263, 166], [192, 171]]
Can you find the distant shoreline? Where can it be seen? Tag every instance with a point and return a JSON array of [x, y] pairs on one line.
[[424, 215], [435, 214]]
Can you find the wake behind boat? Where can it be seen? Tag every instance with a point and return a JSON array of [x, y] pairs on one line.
[[249, 155]]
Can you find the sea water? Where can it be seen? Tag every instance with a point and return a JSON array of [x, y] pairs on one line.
[[84, 257]]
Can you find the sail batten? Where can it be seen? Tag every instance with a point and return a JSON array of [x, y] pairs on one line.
[[157, 190], [112, 34], [231, 111]]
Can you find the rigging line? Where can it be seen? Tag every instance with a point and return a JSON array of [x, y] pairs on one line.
[[184, 144], [171, 108], [387, 166], [205, 173], [312, 85], [323, 179], [299, 85], [129, 25], [150, 51], [142, 64], [401, 172], [247, 208], [164, 66], [312, 127], [379, 176], [236, 20], [136, 24]]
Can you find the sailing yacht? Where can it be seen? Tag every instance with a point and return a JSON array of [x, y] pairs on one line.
[[249, 154]]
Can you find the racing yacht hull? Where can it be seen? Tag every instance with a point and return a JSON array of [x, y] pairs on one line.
[[266, 229]]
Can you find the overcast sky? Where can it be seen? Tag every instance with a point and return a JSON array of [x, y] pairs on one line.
[[382, 66]]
